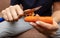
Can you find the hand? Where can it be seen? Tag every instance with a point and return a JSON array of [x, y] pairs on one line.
[[45, 28], [12, 13]]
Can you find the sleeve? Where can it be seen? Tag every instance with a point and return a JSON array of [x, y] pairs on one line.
[[56, 0], [14, 2]]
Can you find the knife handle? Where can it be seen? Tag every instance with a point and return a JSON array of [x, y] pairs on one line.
[[1, 19]]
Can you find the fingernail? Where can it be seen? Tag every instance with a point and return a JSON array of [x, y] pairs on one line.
[[31, 23], [38, 22]]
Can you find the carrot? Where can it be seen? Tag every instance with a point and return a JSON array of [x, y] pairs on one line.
[[46, 19], [29, 12]]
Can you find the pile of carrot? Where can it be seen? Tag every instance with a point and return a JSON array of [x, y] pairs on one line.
[[46, 19]]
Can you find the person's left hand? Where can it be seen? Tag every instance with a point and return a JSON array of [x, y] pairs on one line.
[[45, 28]]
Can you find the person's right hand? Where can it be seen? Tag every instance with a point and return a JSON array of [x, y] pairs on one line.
[[12, 13]]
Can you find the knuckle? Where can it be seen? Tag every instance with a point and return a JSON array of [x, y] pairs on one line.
[[50, 28], [11, 7], [53, 28], [11, 19], [17, 6], [21, 14], [7, 9], [16, 18], [6, 19], [3, 11]]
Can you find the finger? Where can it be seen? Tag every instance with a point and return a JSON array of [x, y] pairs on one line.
[[37, 15], [9, 14], [44, 25], [21, 6], [4, 15], [55, 25], [13, 12], [42, 30], [19, 10], [36, 26]]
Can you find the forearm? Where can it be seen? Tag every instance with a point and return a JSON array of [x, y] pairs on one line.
[[56, 11], [56, 15]]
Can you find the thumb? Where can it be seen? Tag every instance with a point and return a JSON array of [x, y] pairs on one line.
[[37, 15]]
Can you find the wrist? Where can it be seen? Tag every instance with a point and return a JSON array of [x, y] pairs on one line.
[[56, 19], [50, 35]]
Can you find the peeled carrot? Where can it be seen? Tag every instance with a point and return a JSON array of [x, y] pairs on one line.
[[46, 19]]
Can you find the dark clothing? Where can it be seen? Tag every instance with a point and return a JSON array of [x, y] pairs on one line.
[[46, 9]]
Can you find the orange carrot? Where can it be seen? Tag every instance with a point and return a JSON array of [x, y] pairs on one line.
[[46, 19], [29, 11]]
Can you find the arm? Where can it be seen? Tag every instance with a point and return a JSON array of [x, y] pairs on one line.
[[20, 25], [56, 11], [52, 28]]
